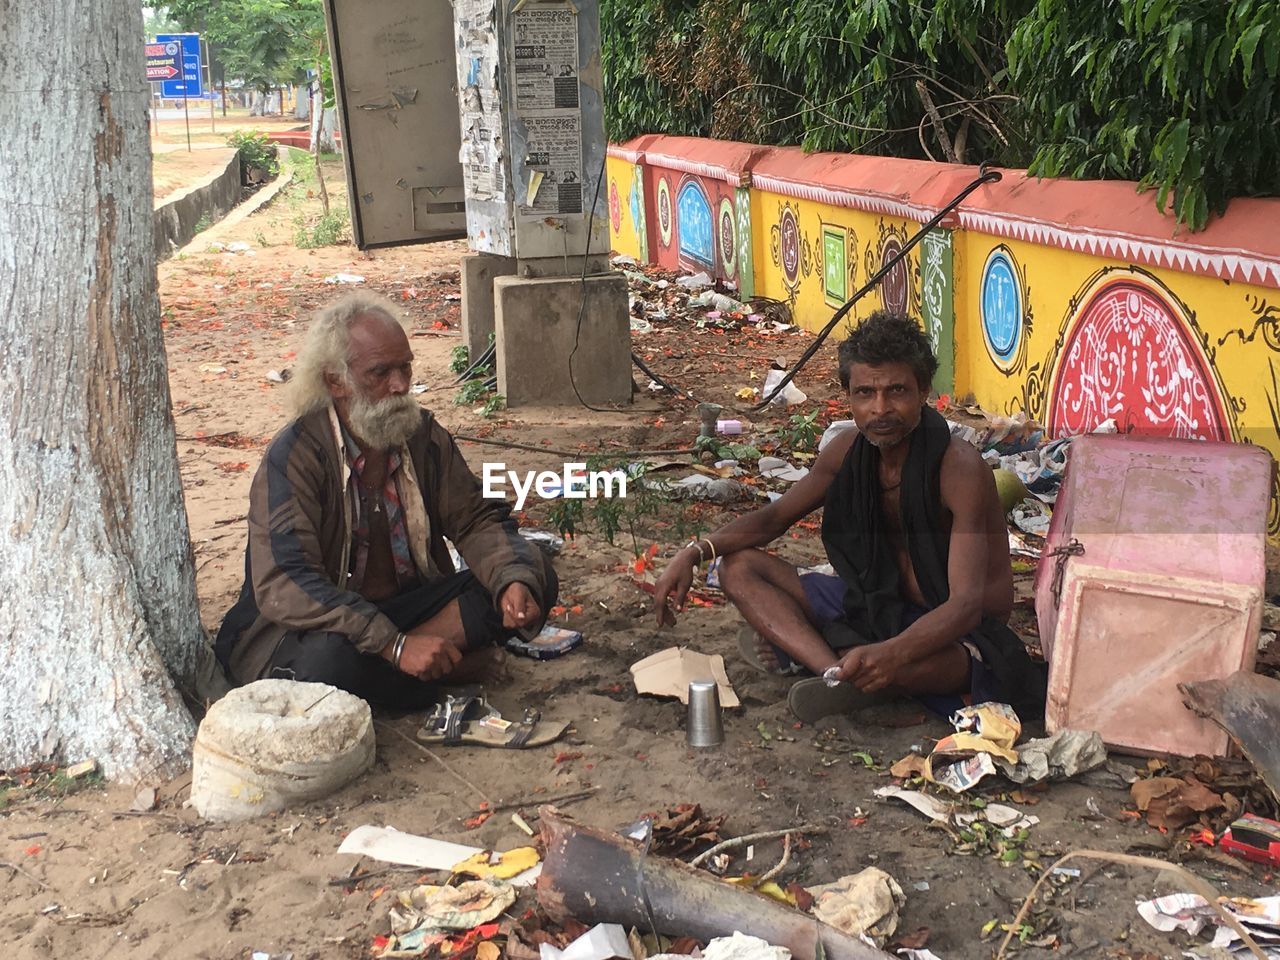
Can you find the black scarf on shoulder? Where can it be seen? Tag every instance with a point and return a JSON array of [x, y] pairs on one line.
[[859, 548]]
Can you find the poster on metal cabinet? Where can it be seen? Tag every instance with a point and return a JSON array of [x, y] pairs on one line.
[[545, 52], [546, 56], [554, 165]]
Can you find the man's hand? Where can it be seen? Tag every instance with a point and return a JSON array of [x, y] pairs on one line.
[[427, 657], [872, 667], [674, 585], [519, 609]]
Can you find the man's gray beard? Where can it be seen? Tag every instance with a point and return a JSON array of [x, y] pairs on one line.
[[384, 424]]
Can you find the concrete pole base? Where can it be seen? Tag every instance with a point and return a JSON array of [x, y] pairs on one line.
[[478, 272], [537, 322]]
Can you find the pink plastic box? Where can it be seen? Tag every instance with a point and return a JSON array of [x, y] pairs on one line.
[[1152, 575]]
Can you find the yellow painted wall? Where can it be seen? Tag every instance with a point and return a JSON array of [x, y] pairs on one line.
[[627, 237], [1232, 328], [864, 235]]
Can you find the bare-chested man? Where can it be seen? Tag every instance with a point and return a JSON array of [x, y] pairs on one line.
[[913, 527]]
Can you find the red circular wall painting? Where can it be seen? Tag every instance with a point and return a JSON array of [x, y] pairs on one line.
[[1130, 354]]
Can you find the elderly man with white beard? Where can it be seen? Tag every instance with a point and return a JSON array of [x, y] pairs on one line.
[[348, 580]]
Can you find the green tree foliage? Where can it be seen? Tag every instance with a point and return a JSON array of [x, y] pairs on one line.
[[262, 42], [1180, 95]]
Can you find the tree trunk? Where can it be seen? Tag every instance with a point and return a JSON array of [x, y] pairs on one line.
[[98, 614]]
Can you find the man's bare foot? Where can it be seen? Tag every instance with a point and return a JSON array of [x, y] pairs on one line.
[[761, 654]]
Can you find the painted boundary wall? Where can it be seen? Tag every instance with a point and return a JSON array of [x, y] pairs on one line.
[[1074, 301]]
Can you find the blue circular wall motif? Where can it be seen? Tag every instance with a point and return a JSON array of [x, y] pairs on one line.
[[1001, 304]]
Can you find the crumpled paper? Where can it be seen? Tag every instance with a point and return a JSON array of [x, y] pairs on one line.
[[864, 904], [983, 732], [1066, 754], [462, 907]]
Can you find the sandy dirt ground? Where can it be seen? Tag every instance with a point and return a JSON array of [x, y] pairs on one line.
[[83, 875]]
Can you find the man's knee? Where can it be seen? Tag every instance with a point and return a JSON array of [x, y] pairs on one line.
[[319, 658], [551, 595], [737, 569]]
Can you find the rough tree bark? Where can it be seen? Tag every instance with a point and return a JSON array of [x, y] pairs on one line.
[[98, 613]]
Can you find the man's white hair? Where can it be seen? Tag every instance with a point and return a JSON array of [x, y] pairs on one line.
[[327, 347]]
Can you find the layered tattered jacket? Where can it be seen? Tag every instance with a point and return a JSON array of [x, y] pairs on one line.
[[300, 531]]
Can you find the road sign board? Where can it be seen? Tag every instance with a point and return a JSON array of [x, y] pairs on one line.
[[190, 83], [164, 60]]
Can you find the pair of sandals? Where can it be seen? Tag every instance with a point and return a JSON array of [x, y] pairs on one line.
[[468, 719], [810, 699]]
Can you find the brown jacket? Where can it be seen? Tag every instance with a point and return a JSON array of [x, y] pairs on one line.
[[300, 536]]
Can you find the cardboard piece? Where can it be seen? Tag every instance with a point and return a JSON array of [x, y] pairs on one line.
[[669, 672]]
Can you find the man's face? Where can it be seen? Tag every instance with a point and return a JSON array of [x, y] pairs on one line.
[[373, 400], [886, 402]]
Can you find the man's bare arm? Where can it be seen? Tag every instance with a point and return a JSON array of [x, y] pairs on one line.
[[758, 528]]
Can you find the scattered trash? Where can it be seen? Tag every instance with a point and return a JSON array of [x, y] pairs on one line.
[[912, 765], [865, 904], [1247, 706], [393, 846], [695, 281], [983, 732], [1253, 838], [279, 376], [669, 672], [212, 368], [581, 876], [790, 394], [700, 487], [344, 278], [834, 430], [1193, 913], [1062, 756], [718, 302], [82, 769], [931, 806], [144, 801], [550, 643], [1006, 819], [604, 941], [1031, 516], [1170, 802], [464, 907], [729, 428], [739, 946], [775, 468], [503, 866], [640, 325]]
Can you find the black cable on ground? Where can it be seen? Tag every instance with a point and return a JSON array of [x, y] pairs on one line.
[[483, 361], [635, 358], [984, 176]]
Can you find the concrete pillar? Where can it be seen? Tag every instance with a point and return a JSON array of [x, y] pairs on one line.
[[537, 321], [478, 273]]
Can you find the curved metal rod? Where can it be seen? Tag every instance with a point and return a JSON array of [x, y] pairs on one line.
[[984, 176]]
